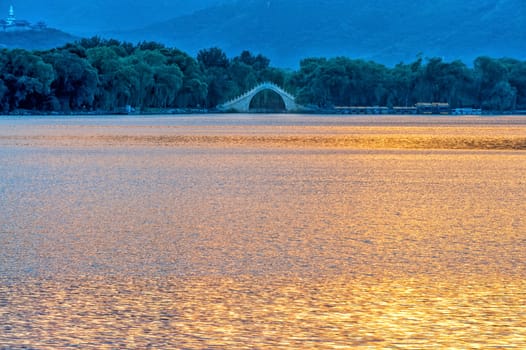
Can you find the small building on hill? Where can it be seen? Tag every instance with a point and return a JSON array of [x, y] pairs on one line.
[[11, 24]]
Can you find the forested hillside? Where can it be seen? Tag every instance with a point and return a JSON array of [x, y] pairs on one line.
[[106, 75], [382, 30], [43, 39], [286, 31]]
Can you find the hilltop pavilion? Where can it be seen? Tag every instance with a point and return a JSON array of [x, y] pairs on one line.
[[11, 24]]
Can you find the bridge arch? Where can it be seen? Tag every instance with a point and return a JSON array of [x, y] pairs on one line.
[[242, 103], [267, 101]]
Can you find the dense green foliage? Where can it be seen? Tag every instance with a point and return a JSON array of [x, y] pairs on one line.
[[106, 75], [492, 84]]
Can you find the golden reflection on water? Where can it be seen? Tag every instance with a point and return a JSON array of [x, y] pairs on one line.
[[109, 239], [265, 312]]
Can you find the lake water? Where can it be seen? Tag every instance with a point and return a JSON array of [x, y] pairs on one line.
[[266, 231]]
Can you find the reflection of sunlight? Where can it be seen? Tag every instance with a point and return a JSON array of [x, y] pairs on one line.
[[318, 236], [279, 313]]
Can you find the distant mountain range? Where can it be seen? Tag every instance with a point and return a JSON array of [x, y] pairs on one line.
[[382, 30]]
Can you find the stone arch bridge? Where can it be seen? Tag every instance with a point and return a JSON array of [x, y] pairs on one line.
[[242, 103]]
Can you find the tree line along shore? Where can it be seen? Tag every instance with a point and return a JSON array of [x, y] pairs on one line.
[[105, 76]]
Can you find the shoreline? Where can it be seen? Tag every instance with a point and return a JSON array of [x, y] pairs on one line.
[[367, 111]]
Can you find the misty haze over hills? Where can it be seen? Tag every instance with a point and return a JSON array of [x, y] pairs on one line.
[[288, 30], [87, 18]]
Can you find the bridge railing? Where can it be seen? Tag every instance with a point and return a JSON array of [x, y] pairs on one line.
[[262, 86]]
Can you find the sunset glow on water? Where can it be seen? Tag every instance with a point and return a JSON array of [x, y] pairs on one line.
[[263, 231]]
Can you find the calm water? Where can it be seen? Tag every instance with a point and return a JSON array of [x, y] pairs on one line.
[[262, 232]]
